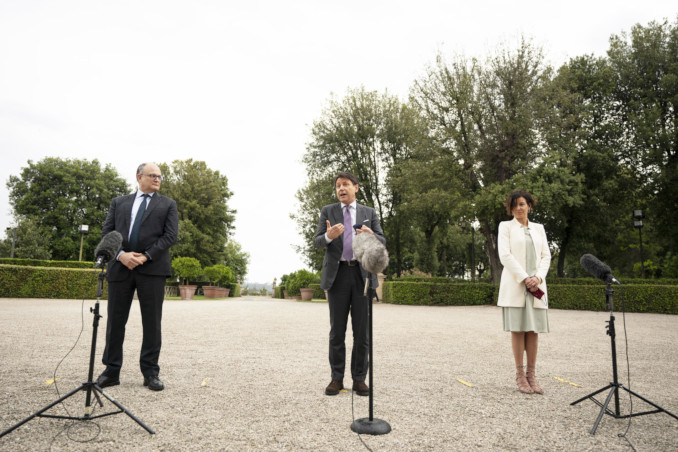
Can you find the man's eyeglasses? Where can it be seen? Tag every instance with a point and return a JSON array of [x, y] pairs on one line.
[[154, 176]]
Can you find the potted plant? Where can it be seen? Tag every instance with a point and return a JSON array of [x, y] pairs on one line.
[[225, 280], [213, 274], [299, 283], [186, 268]]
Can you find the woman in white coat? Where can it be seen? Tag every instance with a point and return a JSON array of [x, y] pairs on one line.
[[525, 255]]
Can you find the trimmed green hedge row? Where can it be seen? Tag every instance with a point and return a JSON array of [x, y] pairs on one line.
[[436, 293], [597, 282], [635, 297], [45, 263], [40, 282], [318, 293]]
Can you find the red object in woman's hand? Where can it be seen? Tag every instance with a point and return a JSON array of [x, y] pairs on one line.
[[537, 293]]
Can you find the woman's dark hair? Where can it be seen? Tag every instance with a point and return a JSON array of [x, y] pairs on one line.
[[345, 175], [512, 199]]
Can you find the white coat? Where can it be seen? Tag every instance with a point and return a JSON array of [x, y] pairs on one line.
[[511, 246]]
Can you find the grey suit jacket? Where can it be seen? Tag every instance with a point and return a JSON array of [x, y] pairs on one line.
[[333, 250], [159, 229]]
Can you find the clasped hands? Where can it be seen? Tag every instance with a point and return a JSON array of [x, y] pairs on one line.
[[132, 259], [338, 229], [531, 282]]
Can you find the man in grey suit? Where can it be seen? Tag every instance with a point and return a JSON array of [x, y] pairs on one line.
[[344, 279], [148, 223]]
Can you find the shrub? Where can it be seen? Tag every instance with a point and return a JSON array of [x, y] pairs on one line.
[[318, 293], [43, 282], [220, 275], [46, 263], [235, 290], [186, 268], [301, 279]]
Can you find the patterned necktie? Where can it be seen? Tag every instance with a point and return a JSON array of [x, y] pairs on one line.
[[348, 235], [134, 235]]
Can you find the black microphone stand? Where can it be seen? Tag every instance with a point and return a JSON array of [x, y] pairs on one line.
[[370, 425], [91, 387], [615, 385]]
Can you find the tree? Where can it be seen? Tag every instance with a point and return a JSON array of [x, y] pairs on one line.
[[236, 259], [368, 134], [489, 120], [57, 195], [205, 220], [645, 67]]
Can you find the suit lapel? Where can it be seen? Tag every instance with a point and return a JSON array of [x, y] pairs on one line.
[[127, 209], [152, 202]]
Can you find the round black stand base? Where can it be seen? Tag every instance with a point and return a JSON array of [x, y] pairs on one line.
[[373, 427]]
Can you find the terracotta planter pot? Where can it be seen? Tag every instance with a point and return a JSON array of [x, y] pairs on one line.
[[187, 292], [284, 293], [297, 297], [210, 291], [306, 294], [222, 292]]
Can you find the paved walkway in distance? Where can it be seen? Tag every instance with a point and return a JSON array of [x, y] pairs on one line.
[[249, 374]]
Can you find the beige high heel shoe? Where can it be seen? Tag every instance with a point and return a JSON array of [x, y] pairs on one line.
[[521, 381], [532, 381]]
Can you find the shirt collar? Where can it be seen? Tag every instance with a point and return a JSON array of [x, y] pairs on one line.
[[353, 204], [141, 193]]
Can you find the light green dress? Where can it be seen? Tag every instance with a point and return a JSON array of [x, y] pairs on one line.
[[527, 318]]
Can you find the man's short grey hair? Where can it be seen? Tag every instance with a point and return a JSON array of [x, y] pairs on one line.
[[140, 169]]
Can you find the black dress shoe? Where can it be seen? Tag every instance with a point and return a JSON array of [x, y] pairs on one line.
[[107, 380], [154, 383], [334, 387]]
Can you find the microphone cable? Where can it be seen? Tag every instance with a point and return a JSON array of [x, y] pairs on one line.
[[628, 373], [71, 424], [353, 416]]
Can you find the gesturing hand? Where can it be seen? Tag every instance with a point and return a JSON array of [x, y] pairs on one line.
[[334, 231]]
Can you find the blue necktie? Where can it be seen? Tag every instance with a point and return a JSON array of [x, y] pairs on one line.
[[134, 236]]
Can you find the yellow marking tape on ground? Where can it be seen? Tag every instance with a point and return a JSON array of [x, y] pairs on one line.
[[568, 382], [51, 382], [204, 382], [465, 383]]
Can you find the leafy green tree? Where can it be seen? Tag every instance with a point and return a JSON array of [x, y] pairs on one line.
[[57, 195], [645, 66], [368, 134], [205, 220], [236, 259], [489, 120]]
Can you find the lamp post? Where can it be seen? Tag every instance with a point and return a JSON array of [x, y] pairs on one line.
[[83, 230], [13, 238], [638, 224]]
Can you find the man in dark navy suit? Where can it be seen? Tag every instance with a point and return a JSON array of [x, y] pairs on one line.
[[344, 279], [148, 223]]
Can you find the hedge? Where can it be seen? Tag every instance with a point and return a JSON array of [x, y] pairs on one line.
[[42, 282], [46, 263], [655, 298], [318, 293], [436, 293]]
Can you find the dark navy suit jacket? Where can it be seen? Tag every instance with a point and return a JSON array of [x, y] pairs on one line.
[[159, 229]]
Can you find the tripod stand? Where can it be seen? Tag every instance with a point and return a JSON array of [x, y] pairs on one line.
[[615, 385], [90, 386], [370, 425]]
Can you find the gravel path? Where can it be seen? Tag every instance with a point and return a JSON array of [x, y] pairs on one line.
[[249, 374]]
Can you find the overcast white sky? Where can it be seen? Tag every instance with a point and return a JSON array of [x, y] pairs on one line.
[[238, 84]]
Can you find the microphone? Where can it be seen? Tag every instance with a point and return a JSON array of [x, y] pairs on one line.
[[108, 248], [371, 253], [596, 268]]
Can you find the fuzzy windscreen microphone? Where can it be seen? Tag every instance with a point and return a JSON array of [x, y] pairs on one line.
[[108, 248], [371, 253], [598, 269]]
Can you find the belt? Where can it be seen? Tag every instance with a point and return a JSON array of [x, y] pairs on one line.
[[352, 263]]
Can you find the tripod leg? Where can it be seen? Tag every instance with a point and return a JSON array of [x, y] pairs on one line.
[[603, 409], [649, 403], [591, 395], [123, 409], [38, 413]]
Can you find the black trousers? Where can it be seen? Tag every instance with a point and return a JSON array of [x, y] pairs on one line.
[[346, 295], [151, 292]]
